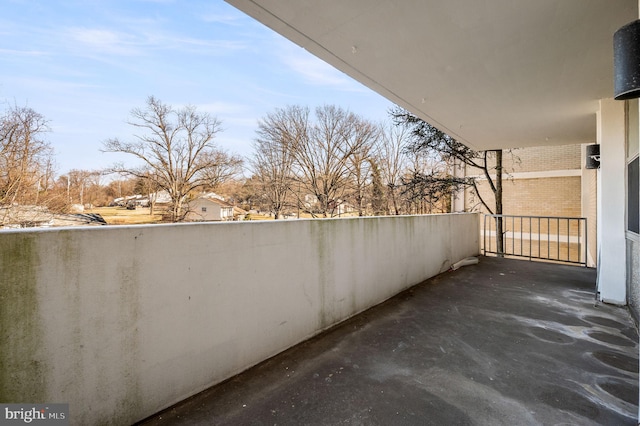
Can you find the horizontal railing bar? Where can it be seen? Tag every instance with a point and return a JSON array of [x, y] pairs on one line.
[[535, 217], [570, 234], [510, 234], [553, 259]]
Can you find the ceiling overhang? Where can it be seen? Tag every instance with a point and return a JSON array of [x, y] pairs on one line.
[[492, 73]]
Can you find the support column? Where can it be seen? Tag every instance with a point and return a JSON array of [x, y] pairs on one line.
[[589, 207], [612, 268], [458, 196]]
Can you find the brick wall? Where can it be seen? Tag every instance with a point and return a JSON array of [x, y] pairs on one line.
[[564, 157], [537, 159], [540, 195], [558, 196]]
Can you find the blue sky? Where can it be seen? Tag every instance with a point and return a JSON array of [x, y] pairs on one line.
[[85, 64]]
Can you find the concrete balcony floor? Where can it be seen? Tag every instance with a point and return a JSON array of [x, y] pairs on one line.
[[504, 342]]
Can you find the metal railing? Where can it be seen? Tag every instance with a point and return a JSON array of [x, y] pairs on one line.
[[548, 238]]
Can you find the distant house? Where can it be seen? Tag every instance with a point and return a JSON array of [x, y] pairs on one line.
[[344, 208], [239, 214], [14, 217], [160, 198], [131, 201], [209, 209]]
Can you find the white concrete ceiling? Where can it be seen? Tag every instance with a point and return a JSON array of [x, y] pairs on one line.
[[492, 73]]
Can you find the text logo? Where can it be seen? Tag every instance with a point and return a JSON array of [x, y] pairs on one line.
[[37, 414]]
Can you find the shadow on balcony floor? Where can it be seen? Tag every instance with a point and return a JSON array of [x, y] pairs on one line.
[[503, 342]]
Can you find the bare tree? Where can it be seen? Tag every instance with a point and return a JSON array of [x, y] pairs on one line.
[[222, 168], [322, 159], [25, 157], [147, 186], [273, 159], [392, 160], [365, 138], [425, 137], [121, 187], [426, 186], [176, 149], [81, 183], [378, 199]]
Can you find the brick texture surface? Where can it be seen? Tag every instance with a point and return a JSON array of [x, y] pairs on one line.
[[534, 197], [543, 196]]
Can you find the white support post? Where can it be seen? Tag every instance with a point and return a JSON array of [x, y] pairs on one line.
[[458, 196], [611, 203]]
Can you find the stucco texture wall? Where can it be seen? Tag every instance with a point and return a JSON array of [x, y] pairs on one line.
[[122, 322]]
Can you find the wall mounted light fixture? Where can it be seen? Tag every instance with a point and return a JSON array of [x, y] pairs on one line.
[[593, 157], [626, 61]]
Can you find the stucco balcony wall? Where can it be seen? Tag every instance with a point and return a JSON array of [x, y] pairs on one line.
[[121, 322]]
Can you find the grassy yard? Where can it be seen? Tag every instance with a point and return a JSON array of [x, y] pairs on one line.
[[122, 216]]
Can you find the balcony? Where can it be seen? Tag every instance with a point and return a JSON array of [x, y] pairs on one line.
[[503, 342], [124, 322]]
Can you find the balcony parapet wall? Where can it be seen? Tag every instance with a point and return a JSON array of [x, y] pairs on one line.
[[122, 322]]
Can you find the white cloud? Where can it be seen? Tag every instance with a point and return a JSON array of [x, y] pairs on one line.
[[247, 122], [218, 108], [96, 41], [213, 46], [104, 41], [157, 1], [14, 52], [221, 18], [49, 85], [313, 70]]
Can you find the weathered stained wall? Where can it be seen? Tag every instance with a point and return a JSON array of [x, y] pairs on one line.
[[122, 322]]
